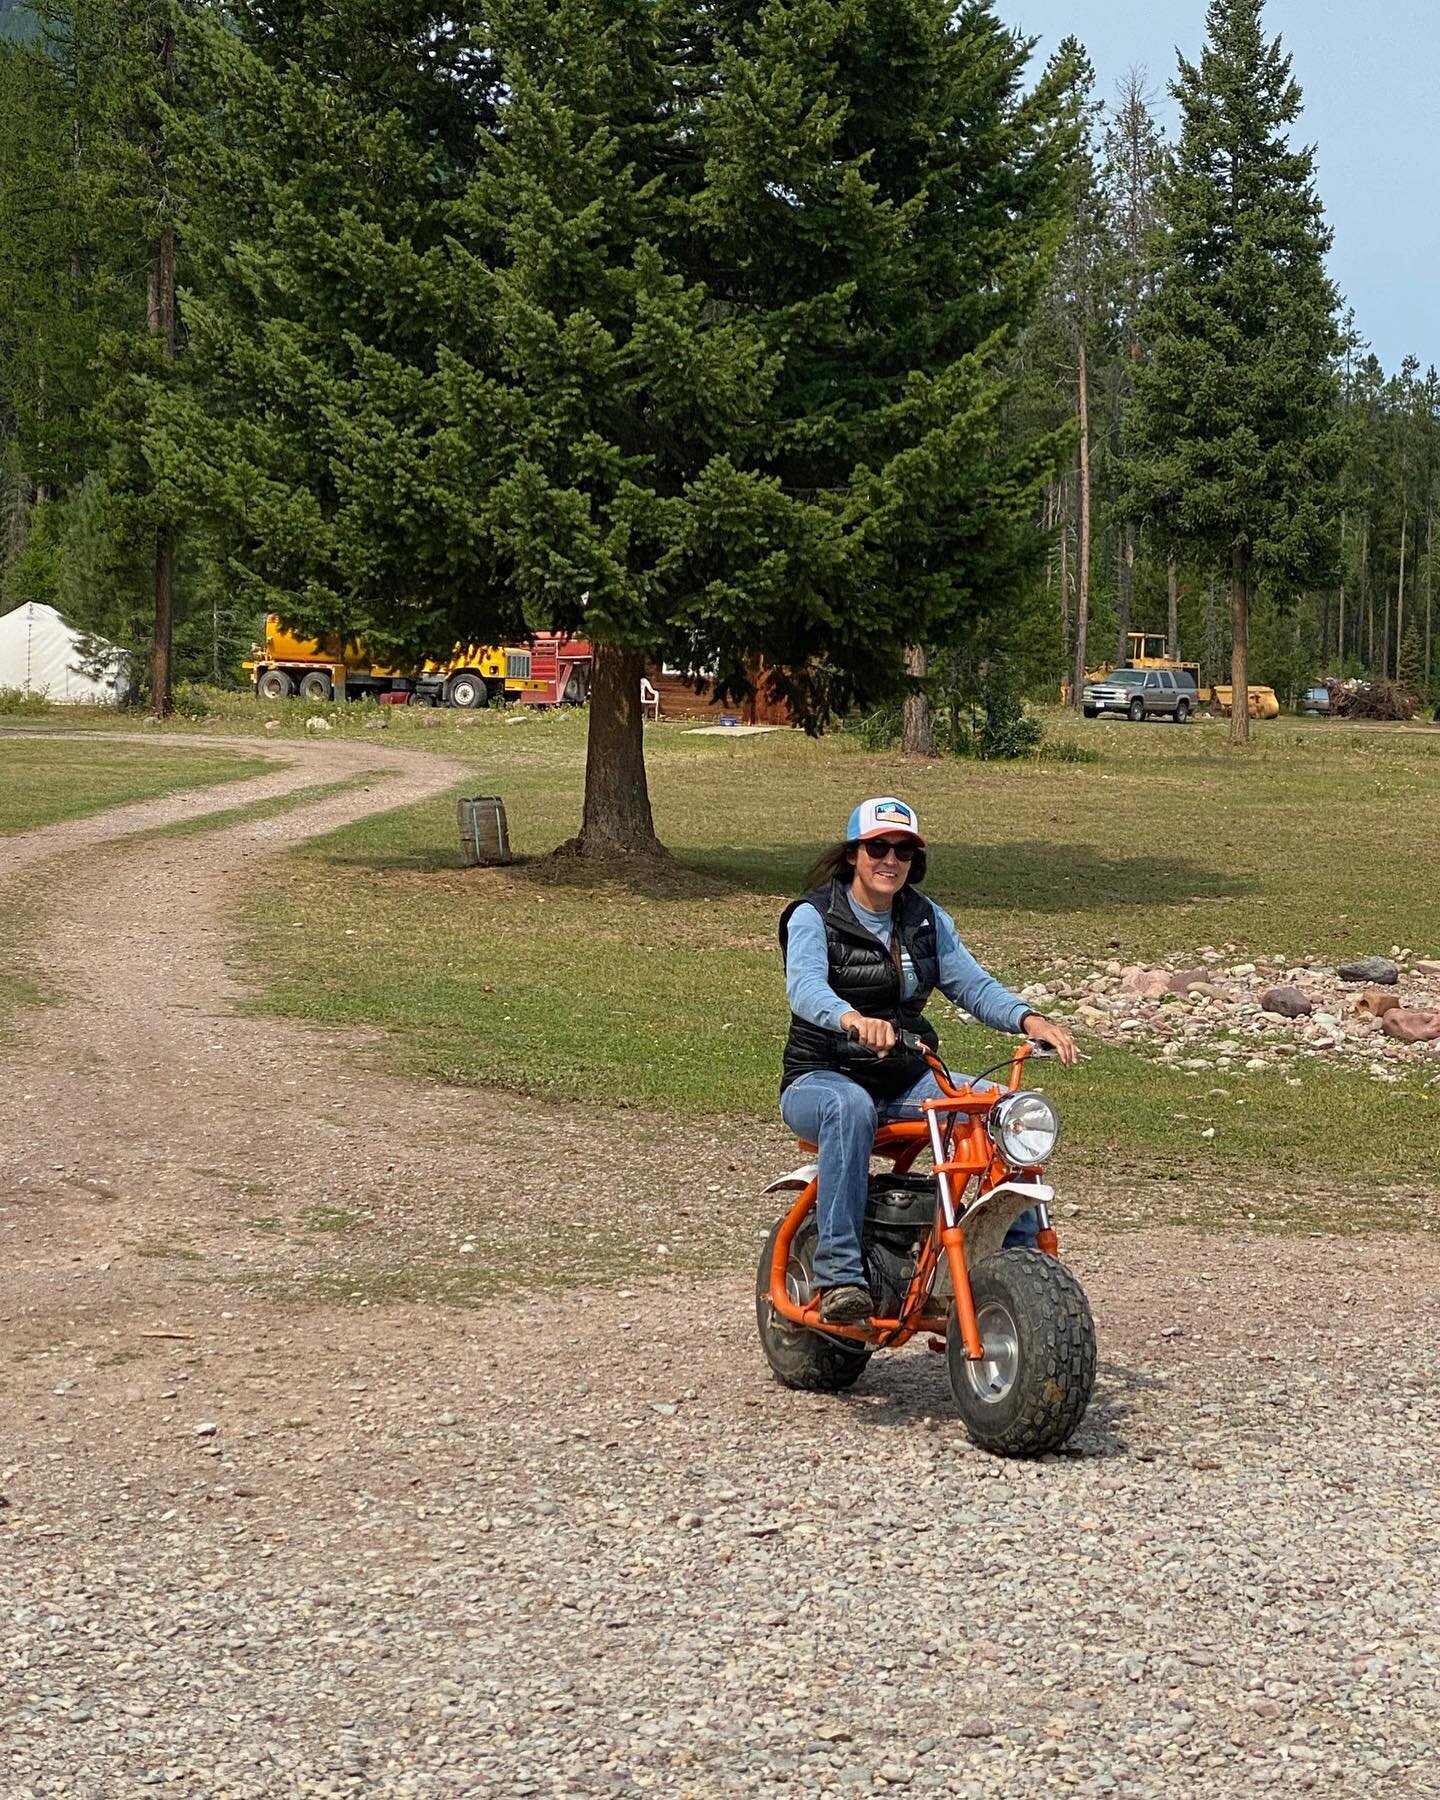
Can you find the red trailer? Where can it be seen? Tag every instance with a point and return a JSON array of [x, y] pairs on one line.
[[563, 665]]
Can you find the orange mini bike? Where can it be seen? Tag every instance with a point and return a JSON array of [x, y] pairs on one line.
[[1014, 1324]]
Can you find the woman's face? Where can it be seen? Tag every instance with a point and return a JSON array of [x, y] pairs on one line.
[[880, 877]]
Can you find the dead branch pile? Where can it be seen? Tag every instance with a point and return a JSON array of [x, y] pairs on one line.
[[1371, 700]]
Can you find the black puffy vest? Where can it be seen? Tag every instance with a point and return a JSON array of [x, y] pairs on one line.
[[867, 977]]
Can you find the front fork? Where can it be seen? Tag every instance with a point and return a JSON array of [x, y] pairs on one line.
[[952, 1239]]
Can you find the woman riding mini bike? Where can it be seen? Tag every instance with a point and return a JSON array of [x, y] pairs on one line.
[[863, 1262], [1014, 1323]]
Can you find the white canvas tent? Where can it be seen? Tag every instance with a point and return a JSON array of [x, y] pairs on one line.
[[40, 654]]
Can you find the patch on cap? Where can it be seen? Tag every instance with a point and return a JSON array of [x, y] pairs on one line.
[[872, 818]]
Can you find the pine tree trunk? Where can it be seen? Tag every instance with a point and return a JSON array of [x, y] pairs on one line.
[[1082, 548], [917, 731], [1340, 630], [18, 522], [1239, 645], [1385, 641], [1127, 591], [617, 818], [160, 320], [1367, 602], [1172, 617], [1400, 594], [160, 311], [1064, 510], [1429, 567]]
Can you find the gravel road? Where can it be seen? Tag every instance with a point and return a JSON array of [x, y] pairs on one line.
[[258, 1542]]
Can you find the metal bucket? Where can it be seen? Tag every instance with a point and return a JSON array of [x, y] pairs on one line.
[[484, 835]]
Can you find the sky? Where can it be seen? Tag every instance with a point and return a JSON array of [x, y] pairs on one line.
[[1370, 75]]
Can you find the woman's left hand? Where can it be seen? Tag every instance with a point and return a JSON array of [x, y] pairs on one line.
[[1046, 1031]]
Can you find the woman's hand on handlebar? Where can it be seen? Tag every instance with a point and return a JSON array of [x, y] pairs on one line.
[[875, 1034], [1055, 1037]]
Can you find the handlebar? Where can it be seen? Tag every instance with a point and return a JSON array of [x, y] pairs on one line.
[[916, 1045]]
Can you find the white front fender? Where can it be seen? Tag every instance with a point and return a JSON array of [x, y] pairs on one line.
[[990, 1215], [797, 1179]]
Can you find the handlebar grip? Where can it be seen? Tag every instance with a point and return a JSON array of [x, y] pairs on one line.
[[904, 1040]]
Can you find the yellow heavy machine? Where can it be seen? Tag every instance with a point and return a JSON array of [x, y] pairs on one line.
[[1149, 650], [472, 675]]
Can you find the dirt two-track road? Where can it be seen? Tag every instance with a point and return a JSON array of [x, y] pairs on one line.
[[267, 1530]]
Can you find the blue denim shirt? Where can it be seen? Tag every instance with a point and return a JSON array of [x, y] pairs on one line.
[[807, 970]]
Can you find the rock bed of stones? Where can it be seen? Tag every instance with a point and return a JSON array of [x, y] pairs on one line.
[[1220, 1023], [594, 1550]]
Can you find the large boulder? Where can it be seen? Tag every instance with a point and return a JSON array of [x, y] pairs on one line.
[[1412, 1027], [1374, 1003], [1288, 1002], [1148, 984], [1377, 969]]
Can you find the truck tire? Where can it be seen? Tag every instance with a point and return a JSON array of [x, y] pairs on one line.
[[1137, 711], [798, 1357], [1091, 711], [1032, 1390], [466, 689], [1182, 712], [315, 684], [274, 684]]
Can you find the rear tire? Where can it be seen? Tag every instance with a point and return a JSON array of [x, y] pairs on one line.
[[1030, 1394], [1182, 712], [799, 1357], [316, 685], [467, 689], [274, 684]]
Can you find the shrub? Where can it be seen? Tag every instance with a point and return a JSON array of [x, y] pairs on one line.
[[15, 702], [192, 701], [989, 723]]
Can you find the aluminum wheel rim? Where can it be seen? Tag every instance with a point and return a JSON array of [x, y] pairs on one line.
[[992, 1378], [800, 1288]]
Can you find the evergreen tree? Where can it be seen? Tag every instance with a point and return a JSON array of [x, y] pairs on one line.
[[1410, 672], [1235, 425], [1131, 166], [87, 318], [679, 327]]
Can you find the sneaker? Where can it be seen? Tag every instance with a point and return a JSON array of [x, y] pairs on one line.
[[847, 1305]]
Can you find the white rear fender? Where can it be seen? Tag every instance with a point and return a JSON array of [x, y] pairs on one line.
[[796, 1179]]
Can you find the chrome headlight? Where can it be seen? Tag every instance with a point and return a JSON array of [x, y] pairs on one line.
[[1025, 1128]]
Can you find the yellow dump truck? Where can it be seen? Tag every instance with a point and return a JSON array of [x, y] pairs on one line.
[[471, 675]]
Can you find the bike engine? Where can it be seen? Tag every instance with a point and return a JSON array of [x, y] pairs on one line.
[[899, 1211]]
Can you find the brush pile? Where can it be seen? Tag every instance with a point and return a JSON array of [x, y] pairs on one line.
[[1371, 700]]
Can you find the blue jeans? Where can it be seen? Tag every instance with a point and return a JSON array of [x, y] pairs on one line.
[[832, 1111]]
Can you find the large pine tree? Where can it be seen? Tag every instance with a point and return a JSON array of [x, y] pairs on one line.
[[1235, 427], [677, 325]]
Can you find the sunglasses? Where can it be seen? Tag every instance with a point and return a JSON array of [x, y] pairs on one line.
[[880, 848]]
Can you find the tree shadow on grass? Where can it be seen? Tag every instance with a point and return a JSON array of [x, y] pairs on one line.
[[1028, 876]]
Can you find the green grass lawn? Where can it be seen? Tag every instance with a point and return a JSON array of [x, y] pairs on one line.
[[42, 781], [668, 994]]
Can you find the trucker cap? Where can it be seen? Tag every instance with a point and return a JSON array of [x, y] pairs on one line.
[[874, 818]]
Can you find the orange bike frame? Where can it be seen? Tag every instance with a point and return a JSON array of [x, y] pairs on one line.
[[955, 1133]]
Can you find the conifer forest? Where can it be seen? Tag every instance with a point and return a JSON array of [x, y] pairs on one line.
[[855, 345]]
